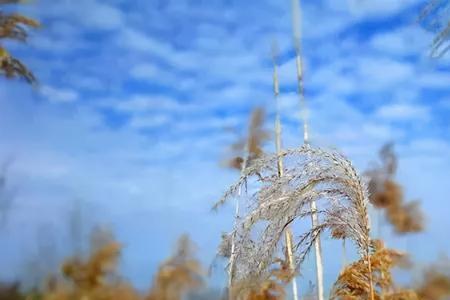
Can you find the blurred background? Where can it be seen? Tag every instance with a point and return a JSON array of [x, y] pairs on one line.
[[138, 102]]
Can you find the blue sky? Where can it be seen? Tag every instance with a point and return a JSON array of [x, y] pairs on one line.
[[136, 98]]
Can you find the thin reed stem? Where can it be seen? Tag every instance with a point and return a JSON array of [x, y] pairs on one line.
[[371, 289], [296, 21], [288, 231], [233, 237], [289, 246], [233, 246]]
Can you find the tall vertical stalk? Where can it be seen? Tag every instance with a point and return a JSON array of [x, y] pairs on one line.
[[287, 232], [233, 238], [233, 246], [304, 114]]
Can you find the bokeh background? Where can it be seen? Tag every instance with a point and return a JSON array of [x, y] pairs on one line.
[[139, 101]]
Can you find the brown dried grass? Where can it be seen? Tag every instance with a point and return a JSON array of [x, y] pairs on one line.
[[15, 27], [386, 194], [353, 281], [178, 275]]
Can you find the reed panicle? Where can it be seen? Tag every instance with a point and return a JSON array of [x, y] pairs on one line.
[[387, 194], [14, 27], [249, 146], [92, 278], [178, 275], [353, 281], [309, 174]]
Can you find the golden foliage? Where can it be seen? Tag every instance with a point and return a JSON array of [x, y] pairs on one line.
[[386, 194], [251, 146], [14, 26], [12, 67], [92, 273], [353, 282], [178, 275], [92, 278], [405, 217]]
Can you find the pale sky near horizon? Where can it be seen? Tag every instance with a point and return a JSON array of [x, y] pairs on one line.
[[136, 98]]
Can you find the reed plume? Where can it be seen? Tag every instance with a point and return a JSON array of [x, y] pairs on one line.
[[250, 146], [353, 281], [178, 275], [387, 194], [271, 288], [15, 27], [309, 174], [94, 277]]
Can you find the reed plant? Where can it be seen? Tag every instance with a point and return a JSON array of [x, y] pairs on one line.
[[15, 27]]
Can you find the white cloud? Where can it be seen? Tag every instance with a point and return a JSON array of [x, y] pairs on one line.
[[144, 103], [376, 8], [137, 40], [153, 74], [97, 15], [403, 41], [403, 112], [377, 73], [59, 95], [436, 79], [149, 121], [145, 71]]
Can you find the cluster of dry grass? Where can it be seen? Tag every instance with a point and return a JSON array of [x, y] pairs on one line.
[[14, 27], [353, 281], [96, 276], [387, 194], [178, 275]]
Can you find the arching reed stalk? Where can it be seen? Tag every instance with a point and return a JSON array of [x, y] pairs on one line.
[[288, 232], [296, 24], [251, 149], [310, 174]]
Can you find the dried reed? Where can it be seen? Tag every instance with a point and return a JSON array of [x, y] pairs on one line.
[[178, 275], [387, 194], [315, 174], [14, 26], [353, 282]]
